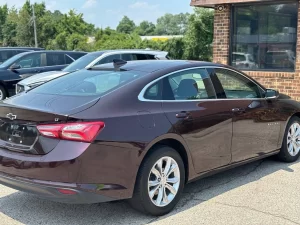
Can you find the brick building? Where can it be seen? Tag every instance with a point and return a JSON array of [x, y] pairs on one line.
[[260, 37]]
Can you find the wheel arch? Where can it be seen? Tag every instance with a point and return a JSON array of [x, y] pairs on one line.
[[177, 143], [296, 114]]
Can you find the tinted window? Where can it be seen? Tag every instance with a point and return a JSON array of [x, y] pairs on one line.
[[30, 61], [55, 59], [76, 55], [127, 57], [88, 83], [151, 57], [109, 59], [188, 85], [236, 86], [5, 55], [266, 32], [68, 59], [139, 57]]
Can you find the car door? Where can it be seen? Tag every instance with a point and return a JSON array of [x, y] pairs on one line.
[[55, 61], [255, 122], [31, 64], [203, 121]]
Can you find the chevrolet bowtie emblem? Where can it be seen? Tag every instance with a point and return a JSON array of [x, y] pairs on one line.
[[11, 116]]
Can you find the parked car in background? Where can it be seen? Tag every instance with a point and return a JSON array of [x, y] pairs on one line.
[[140, 130], [29, 63], [88, 61], [243, 61], [25, 48], [7, 53]]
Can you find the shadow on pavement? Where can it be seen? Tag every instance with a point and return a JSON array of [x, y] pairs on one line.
[[29, 209]]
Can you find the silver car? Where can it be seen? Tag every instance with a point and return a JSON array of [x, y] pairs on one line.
[[90, 60]]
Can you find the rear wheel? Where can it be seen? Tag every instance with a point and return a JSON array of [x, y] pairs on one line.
[[159, 183], [3, 94], [290, 150]]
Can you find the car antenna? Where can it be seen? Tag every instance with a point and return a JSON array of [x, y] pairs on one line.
[[118, 63]]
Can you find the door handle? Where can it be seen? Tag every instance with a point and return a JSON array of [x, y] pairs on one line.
[[183, 115], [238, 110]]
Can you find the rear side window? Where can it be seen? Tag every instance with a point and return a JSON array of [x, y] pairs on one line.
[[69, 59], [151, 57], [140, 57], [88, 83], [55, 59], [154, 92], [188, 85]]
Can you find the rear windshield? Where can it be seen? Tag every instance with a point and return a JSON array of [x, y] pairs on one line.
[[88, 83]]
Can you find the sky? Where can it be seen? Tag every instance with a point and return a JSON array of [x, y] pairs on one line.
[[104, 13]]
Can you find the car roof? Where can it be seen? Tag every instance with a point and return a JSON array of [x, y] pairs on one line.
[[49, 51], [155, 65], [144, 51]]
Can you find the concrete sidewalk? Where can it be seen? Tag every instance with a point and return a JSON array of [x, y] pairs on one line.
[[264, 192]]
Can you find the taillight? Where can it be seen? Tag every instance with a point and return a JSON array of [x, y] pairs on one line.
[[85, 132]]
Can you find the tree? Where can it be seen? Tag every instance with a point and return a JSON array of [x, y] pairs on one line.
[[145, 28], [9, 28], [199, 36], [126, 26], [172, 24]]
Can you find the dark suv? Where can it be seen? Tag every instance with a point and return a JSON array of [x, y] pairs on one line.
[[8, 52], [29, 63]]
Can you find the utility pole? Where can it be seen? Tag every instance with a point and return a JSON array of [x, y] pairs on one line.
[[34, 26]]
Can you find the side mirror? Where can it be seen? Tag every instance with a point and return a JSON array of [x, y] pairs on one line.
[[15, 67], [271, 94]]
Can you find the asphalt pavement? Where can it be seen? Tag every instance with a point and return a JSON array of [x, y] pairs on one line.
[[265, 192]]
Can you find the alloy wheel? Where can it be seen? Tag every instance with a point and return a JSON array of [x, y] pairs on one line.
[[293, 139], [164, 181]]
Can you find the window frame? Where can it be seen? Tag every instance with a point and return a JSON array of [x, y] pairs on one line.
[[231, 32], [244, 77], [141, 96]]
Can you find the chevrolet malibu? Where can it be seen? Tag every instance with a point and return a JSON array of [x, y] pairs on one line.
[[140, 131]]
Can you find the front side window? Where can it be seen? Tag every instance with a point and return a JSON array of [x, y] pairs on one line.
[[236, 86], [30, 61], [188, 85], [264, 36]]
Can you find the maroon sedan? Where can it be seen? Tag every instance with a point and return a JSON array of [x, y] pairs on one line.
[[140, 131]]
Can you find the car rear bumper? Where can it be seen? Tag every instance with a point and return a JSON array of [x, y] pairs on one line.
[[50, 190]]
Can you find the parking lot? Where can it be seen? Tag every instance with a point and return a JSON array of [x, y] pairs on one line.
[[264, 192]]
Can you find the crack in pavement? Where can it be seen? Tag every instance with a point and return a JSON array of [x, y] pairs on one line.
[[253, 209]]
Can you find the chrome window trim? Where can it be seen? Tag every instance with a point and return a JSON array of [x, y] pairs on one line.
[[142, 93]]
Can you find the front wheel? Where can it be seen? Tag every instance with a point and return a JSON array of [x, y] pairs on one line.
[[290, 150], [159, 183]]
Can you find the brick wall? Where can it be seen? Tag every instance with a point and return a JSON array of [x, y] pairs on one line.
[[286, 82]]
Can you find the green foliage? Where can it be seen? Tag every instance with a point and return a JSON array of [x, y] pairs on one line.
[[199, 35], [145, 28], [126, 26], [172, 24], [71, 32]]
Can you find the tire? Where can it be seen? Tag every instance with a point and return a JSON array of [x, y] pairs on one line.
[[288, 153], [141, 199], [3, 93]]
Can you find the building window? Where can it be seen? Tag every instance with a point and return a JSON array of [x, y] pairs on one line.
[[264, 37]]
